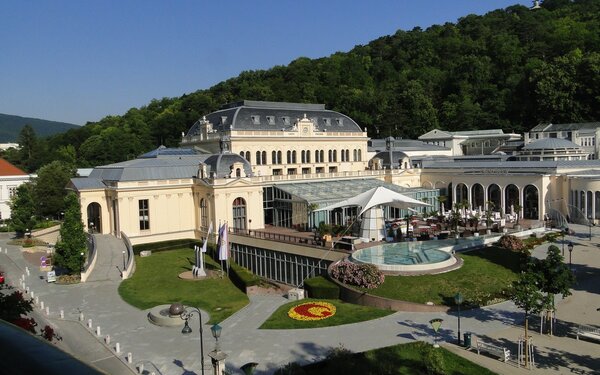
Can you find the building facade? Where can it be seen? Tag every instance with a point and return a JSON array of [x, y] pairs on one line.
[[259, 164], [10, 179]]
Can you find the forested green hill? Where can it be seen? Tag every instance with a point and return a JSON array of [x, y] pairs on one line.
[[11, 125], [511, 68]]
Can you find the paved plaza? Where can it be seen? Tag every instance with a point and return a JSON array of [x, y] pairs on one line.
[[164, 350]]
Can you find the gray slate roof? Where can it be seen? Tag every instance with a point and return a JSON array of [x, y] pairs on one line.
[[565, 127], [550, 143], [255, 115]]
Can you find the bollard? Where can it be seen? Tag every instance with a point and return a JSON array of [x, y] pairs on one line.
[[118, 348], [62, 314], [47, 310], [42, 305], [22, 276], [32, 294], [98, 331], [129, 358], [27, 271], [37, 300], [107, 339], [90, 323], [80, 316], [27, 290], [141, 368]]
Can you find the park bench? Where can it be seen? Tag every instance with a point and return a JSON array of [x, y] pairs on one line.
[[588, 331], [502, 353]]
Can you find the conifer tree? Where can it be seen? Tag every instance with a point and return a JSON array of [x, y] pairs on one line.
[[73, 241]]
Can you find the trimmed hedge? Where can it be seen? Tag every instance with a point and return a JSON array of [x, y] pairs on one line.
[[320, 287], [166, 245], [242, 277]]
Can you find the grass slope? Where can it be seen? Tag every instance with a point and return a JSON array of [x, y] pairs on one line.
[[404, 359], [346, 313], [484, 277], [156, 282]]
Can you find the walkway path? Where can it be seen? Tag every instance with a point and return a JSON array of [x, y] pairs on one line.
[[173, 353]]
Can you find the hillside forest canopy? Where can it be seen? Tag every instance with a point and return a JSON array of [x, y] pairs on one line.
[[511, 69]]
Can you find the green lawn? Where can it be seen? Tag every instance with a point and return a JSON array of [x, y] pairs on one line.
[[156, 282], [346, 313], [404, 359], [483, 278]]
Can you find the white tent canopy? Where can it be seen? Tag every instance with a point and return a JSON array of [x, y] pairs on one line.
[[376, 197]]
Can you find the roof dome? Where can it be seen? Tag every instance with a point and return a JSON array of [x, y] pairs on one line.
[[550, 143], [221, 165]]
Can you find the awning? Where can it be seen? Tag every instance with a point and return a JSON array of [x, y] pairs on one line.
[[376, 197]]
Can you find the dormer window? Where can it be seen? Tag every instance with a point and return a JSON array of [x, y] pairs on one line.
[[340, 121], [271, 120], [255, 119], [224, 120], [327, 121], [286, 120]]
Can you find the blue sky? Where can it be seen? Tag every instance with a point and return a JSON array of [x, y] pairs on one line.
[[79, 61]]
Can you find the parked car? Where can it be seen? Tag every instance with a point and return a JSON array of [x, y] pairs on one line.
[[1, 277]]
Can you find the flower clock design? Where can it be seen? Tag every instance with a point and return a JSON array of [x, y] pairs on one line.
[[312, 311]]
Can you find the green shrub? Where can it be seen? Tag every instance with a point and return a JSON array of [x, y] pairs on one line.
[[320, 287], [434, 361], [166, 245], [242, 277]]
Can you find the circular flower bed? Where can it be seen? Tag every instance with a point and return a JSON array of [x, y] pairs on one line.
[[312, 311]]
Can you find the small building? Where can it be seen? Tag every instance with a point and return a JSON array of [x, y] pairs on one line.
[[583, 134], [10, 179], [470, 142]]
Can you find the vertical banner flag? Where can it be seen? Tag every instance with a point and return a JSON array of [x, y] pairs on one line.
[[223, 242], [207, 237]]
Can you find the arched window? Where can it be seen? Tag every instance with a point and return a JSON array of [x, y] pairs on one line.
[[289, 157], [317, 158], [308, 156], [239, 213], [203, 213], [294, 157], [264, 157], [347, 155], [359, 155], [355, 155], [258, 159], [303, 156], [343, 156], [273, 157], [279, 158], [330, 156], [248, 156]]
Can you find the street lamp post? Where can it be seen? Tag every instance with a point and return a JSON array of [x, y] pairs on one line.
[[81, 268], [570, 254], [123, 260], [563, 231], [458, 299], [217, 356], [186, 313]]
